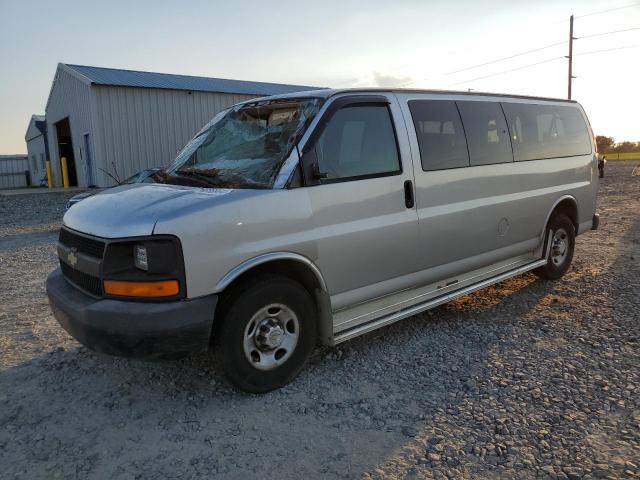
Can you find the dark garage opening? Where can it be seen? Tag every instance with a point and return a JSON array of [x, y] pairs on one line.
[[65, 149]]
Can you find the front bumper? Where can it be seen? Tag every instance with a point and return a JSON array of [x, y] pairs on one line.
[[132, 329]]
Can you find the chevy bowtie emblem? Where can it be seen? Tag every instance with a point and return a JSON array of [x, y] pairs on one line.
[[72, 259]]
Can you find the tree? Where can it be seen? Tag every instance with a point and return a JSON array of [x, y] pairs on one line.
[[627, 147], [605, 144]]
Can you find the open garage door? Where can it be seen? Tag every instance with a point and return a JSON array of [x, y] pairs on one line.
[[65, 149]]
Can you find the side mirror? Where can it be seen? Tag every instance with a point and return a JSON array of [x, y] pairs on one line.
[[317, 174], [310, 168]]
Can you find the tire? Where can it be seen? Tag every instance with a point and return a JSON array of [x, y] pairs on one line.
[[262, 313], [562, 246]]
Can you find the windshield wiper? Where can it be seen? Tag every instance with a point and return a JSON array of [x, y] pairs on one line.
[[202, 176]]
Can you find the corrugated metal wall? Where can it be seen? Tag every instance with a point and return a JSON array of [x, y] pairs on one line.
[[37, 153], [69, 98], [142, 127], [12, 168]]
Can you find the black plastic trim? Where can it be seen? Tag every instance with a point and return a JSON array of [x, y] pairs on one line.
[[409, 200], [506, 122]]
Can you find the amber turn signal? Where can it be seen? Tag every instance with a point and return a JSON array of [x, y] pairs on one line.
[[165, 288]]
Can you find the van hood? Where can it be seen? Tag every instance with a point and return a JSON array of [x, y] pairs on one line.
[[134, 210]]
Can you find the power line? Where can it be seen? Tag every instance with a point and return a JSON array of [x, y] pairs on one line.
[[607, 50], [608, 33], [545, 61], [491, 62], [506, 58], [511, 70], [526, 52], [608, 10], [544, 48], [538, 50]]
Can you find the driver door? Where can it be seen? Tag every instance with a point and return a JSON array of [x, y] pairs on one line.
[[359, 177]]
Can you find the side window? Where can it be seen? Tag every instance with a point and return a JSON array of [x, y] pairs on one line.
[[487, 134], [440, 134], [547, 131], [358, 141]]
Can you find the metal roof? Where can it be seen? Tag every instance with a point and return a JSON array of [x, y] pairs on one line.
[[133, 78], [40, 124]]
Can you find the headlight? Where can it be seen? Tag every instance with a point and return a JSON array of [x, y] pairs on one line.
[[140, 257], [149, 267]]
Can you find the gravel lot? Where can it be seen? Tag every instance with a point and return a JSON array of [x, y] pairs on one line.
[[525, 379]]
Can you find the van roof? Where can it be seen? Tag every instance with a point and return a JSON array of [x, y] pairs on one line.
[[326, 93]]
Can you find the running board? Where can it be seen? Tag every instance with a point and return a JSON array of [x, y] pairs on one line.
[[402, 314]]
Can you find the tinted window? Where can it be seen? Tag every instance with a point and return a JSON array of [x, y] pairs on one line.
[[546, 131], [487, 134], [440, 134], [358, 141]]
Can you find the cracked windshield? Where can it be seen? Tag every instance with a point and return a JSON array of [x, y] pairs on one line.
[[244, 147]]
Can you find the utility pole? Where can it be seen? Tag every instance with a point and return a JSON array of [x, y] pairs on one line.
[[570, 57]]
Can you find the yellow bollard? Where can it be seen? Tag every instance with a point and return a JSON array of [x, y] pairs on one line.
[[65, 172], [49, 177]]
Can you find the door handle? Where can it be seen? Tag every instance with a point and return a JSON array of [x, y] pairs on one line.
[[408, 194]]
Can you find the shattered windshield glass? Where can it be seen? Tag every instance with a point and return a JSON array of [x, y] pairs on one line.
[[245, 146]]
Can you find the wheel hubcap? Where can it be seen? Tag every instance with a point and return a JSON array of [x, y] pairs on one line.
[[271, 336], [559, 246]]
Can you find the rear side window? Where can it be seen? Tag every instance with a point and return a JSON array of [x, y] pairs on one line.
[[358, 141], [440, 134], [546, 131], [487, 134]]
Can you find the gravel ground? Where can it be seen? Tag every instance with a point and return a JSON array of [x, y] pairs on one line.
[[525, 379]]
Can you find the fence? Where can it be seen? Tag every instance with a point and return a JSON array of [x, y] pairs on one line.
[[14, 171]]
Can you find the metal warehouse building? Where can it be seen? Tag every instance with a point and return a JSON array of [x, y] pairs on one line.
[[37, 148], [123, 121]]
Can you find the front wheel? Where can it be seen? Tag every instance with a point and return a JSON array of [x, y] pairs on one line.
[[267, 334], [563, 240]]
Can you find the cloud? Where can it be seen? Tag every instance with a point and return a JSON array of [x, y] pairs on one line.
[[389, 81]]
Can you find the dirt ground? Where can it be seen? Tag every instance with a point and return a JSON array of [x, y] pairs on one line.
[[525, 379]]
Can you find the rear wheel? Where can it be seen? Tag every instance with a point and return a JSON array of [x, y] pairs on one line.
[[563, 239], [267, 334]]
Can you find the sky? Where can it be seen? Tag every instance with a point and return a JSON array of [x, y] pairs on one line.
[[417, 44]]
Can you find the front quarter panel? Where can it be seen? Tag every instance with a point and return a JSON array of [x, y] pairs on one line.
[[218, 239]]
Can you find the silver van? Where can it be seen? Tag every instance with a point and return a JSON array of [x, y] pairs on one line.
[[311, 218]]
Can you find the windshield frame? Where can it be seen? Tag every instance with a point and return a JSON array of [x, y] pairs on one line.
[[173, 173]]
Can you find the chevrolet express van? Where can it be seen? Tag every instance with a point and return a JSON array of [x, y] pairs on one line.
[[316, 217]]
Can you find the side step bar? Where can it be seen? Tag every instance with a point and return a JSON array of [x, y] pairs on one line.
[[421, 307]]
